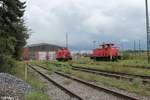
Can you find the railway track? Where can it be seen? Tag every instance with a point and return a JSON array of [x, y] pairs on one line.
[[57, 84], [133, 66], [130, 77], [99, 88], [118, 75], [141, 67]]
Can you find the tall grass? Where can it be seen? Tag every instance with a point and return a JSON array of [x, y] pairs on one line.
[[38, 94]]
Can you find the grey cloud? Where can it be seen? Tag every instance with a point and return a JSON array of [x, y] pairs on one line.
[[85, 20]]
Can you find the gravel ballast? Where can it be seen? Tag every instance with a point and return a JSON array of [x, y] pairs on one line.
[[88, 93], [53, 92], [12, 87]]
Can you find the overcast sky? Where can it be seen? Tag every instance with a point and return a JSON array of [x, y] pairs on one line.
[[117, 21]]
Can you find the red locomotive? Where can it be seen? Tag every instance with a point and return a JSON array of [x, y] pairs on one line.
[[63, 55], [106, 53]]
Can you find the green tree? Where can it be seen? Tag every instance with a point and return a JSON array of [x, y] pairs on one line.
[[13, 32]]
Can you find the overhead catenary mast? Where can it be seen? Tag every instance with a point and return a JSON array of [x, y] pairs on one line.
[[139, 45], [67, 40], [148, 31], [134, 46], [94, 44]]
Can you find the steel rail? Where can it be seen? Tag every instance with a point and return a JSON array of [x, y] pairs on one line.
[[94, 86], [118, 76], [97, 86], [118, 73], [57, 84], [139, 67], [103, 73]]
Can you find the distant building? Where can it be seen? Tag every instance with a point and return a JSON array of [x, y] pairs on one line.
[[42, 51], [43, 47]]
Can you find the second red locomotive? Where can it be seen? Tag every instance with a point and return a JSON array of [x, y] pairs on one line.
[[106, 53], [63, 55]]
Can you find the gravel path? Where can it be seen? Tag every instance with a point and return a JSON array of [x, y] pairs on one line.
[[88, 93], [53, 92]]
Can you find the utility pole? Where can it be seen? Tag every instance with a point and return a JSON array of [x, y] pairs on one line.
[[94, 44], [122, 46], [1, 3], [139, 46], [26, 71], [134, 47], [67, 40], [148, 31], [94, 48]]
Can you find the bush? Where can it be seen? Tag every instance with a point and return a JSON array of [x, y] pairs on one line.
[[7, 64]]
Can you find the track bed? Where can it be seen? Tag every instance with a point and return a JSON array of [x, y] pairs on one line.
[[85, 90]]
